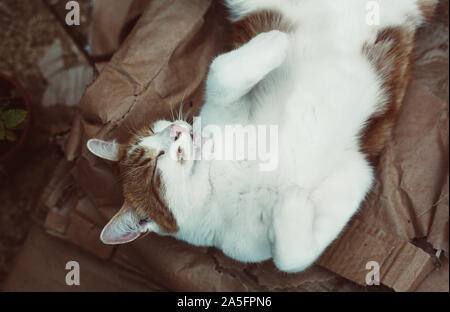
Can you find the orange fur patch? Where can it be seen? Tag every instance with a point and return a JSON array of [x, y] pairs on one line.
[[427, 7], [391, 55], [141, 183], [254, 24]]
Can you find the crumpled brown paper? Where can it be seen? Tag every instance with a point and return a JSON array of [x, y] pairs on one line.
[[111, 20], [164, 61], [410, 197]]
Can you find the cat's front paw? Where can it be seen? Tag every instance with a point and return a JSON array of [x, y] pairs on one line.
[[293, 262], [278, 42]]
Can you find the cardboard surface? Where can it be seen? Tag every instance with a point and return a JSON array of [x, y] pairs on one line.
[[106, 37], [36, 271], [437, 281], [410, 197], [402, 266]]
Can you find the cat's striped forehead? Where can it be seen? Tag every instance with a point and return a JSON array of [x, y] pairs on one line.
[[142, 184]]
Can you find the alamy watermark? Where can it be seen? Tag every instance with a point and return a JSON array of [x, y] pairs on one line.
[[233, 142], [373, 13], [373, 276], [73, 16], [73, 276]]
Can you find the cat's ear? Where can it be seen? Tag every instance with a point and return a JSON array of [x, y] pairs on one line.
[[124, 227], [104, 149]]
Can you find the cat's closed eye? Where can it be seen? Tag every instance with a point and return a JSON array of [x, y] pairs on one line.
[[145, 220]]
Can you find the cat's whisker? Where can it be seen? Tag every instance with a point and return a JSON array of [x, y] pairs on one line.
[[180, 112], [136, 168], [131, 127], [132, 172], [129, 130], [171, 111]]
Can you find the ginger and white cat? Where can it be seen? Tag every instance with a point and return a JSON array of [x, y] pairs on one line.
[[332, 83]]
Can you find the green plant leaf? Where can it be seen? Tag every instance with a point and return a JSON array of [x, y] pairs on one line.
[[11, 136], [2, 131], [14, 117], [15, 94]]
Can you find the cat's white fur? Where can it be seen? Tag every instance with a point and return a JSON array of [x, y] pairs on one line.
[[319, 88]]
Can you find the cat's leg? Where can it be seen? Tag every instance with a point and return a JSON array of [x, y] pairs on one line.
[[234, 74], [308, 221], [291, 234]]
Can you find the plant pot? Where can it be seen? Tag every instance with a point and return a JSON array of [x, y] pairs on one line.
[[10, 149]]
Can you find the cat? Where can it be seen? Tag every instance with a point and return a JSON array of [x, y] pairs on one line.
[[330, 81]]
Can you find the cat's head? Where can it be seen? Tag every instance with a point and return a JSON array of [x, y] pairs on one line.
[[153, 157]]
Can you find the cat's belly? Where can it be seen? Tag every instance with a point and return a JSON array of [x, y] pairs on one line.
[[247, 219]]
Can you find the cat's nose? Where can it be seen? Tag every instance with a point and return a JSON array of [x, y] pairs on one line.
[[176, 130]]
